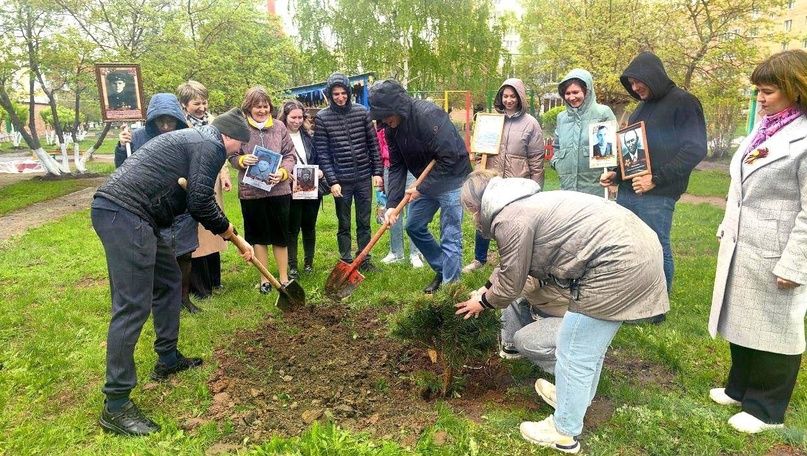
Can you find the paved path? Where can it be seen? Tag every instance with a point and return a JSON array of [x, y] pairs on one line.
[[18, 222]]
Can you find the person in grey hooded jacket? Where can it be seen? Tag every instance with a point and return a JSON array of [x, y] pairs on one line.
[[608, 261]]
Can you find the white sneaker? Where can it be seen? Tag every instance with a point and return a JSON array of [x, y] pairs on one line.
[[545, 434], [719, 395], [473, 266], [391, 258], [547, 391], [509, 351], [417, 263], [745, 422]]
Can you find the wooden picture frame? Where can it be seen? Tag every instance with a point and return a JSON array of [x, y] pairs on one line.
[[634, 155], [602, 144], [487, 136], [120, 92]]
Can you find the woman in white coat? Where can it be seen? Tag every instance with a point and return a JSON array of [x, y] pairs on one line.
[[759, 298]]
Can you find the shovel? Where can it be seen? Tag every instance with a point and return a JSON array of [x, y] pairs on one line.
[[345, 277], [290, 296]]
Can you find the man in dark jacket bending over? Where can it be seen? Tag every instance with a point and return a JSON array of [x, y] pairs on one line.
[[128, 210], [676, 141], [417, 132], [348, 149]]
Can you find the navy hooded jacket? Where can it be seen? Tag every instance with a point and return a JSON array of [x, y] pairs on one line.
[[161, 104]]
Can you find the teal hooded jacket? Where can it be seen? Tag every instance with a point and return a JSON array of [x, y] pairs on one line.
[[571, 139]]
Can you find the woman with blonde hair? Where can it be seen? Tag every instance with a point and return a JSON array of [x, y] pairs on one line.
[[759, 298]]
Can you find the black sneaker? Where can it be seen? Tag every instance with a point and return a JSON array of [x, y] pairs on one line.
[[188, 305], [309, 268], [435, 284], [265, 288], [129, 420], [294, 273], [162, 372], [367, 266]]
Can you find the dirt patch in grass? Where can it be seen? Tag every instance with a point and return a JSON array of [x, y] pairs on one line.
[[638, 371], [784, 450], [92, 282], [716, 201], [331, 363]]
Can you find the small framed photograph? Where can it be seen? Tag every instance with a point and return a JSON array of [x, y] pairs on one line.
[[602, 145], [258, 175], [120, 88], [306, 182], [487, 136], [634, 157]]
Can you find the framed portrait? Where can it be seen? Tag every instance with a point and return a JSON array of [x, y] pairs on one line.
[[306, 182], [602, 145], [634, 156], [120, 89], [487, 136], [259, 174]]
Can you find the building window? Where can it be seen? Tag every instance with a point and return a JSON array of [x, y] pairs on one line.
[[804, 44], [790, 4], [788, 25]]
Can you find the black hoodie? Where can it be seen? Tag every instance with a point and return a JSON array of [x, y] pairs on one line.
[[425, 133], [675, 126]]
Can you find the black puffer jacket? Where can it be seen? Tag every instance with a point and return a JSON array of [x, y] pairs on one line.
[[345, 139], [146, 183], [675, 126], [425, 133]]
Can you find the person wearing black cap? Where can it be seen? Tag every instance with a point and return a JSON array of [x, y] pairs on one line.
[[676, 142], [128, 211]]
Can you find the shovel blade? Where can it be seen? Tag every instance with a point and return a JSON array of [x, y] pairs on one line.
[[342, 281], [290, 296]]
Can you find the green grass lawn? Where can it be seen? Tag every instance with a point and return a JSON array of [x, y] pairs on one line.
[[107, 147], [54, 312]]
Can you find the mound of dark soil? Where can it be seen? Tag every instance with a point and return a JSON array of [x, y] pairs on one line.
[[331, 363]]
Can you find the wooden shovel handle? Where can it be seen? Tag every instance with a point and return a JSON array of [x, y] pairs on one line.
[[397, 210]]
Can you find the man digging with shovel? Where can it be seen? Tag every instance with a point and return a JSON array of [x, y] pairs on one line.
[[417, 132], [140, 197]]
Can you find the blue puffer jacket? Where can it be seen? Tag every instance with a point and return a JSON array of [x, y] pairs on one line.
[[345, 139], [161, 104], [571, 139]]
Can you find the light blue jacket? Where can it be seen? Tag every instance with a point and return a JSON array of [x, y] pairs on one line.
[[571, 139]]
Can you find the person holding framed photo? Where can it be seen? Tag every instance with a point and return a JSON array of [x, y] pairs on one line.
[[759, 299], [521, 152], [571, 157], [676, 142], [266, 213]]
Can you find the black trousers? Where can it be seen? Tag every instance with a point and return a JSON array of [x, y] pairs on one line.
[[144, 279], [762, 381], [303, 216], [205, 274], [361, 193]]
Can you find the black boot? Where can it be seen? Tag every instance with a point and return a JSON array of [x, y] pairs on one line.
[[184, 262], [162, 371], [434, 285], [129, 420], [188, 305]]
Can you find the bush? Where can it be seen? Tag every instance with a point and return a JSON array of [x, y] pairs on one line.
[[430, 323], [549, 119]]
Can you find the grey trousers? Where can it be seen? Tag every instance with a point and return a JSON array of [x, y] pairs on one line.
[[533, 336], [144, 279]]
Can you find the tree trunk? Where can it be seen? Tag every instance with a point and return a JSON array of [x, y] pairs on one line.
[[89, 154], [78, 159], [31, 140]]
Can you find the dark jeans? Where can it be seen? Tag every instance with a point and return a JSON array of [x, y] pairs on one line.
[[762, 381], [657, 213], [361, 193], [303, 216], [481, 247], [144, 279]]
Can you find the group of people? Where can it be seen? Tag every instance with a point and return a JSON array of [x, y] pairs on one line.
[[573, 265]]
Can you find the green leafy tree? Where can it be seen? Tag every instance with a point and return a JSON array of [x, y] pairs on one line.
[[430, 323]]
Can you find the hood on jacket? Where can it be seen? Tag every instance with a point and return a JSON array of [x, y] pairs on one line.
[[588, 80], [164, 104], [337, 79], [498, 194], [647, 68], [521, 91], [387, 98]]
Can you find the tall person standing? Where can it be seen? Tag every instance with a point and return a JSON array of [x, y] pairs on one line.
[[346, 143], [759, 298]]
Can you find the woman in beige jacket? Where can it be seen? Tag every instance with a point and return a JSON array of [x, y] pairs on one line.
[[521, 153]]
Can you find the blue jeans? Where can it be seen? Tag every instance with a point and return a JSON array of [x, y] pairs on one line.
[[582, 343], [446, 257], [481, 247], [396, 231], [657, 213]]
